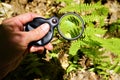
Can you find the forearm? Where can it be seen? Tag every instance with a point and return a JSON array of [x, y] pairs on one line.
[[10, 62], [11, 54], [10, 66]]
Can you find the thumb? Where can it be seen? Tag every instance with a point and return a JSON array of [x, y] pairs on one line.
[[38, 33]]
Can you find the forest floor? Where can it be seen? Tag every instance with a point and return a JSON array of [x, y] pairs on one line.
[[10, 8]]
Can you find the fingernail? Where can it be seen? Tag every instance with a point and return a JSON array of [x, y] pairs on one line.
[[45, 26]]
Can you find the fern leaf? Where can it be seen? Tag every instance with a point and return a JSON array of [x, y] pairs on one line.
[[75, 46], [112, 45]]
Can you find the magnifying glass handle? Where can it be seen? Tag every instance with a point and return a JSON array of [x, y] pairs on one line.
[[53, 21]]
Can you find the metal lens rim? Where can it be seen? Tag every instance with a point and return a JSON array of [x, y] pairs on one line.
[[70, 13]]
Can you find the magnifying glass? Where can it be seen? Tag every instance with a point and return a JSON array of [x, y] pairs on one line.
[[70, 26]]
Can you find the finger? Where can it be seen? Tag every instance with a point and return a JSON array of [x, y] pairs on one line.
[[38, 33], [49, 46], [23, 18], [36, 49], [20, 20], [40, 48]]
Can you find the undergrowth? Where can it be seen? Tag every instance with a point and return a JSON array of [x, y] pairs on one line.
[[103, 51], [99, 44]]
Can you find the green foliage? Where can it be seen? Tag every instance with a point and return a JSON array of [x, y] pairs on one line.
[[74, 7], [73, 67], [114, 29], [91, 46], [95, 45], [90, 12], [74, 48], [34, 67]]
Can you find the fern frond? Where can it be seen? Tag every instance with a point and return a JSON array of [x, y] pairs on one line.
[[75, 46], [112, 45], [92, 12], [92, 18], [80, 8]]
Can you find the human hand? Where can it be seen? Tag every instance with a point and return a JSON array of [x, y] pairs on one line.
[[14, 40], [16, 26]]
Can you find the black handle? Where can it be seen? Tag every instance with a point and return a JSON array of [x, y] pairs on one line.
[[53, 21]]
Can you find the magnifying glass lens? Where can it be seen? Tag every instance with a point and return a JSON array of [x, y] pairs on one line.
[[71, 26]]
